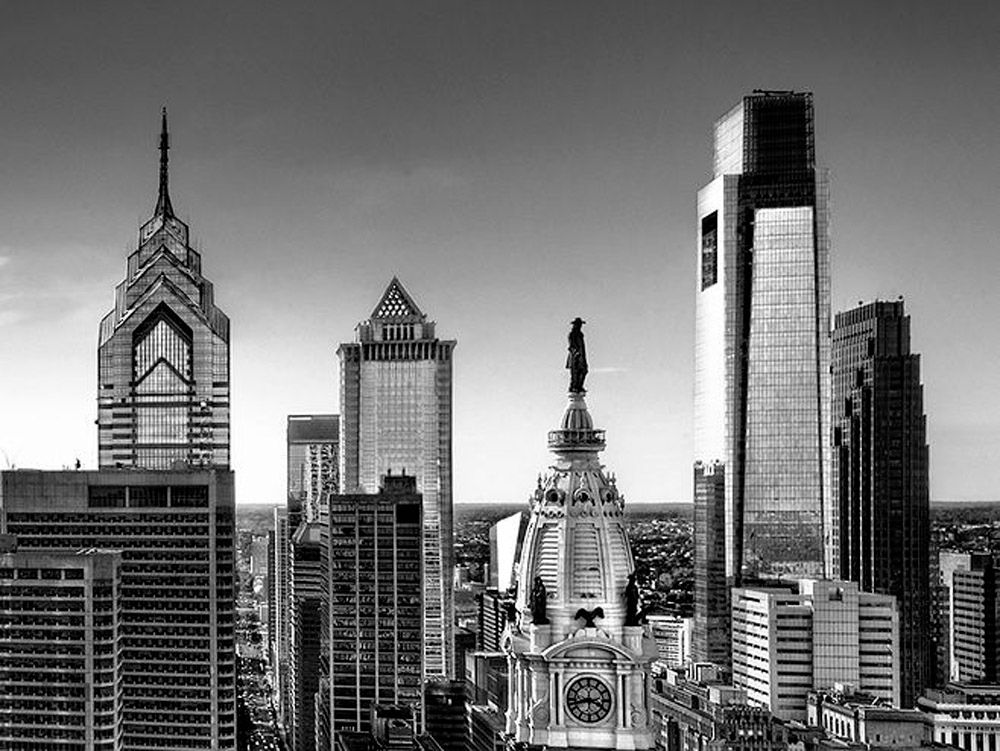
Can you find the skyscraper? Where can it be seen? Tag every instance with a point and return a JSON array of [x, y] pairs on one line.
[[579, 655], [306, 598], [762, 354], [312, 442], [60, 649], [395, 399], [163, 355], [175, 531], [880, 475], [372, 617], [280, 640]]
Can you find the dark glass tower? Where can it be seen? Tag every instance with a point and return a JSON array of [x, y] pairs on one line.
[[762, 355], [163, 354], [880, 473]]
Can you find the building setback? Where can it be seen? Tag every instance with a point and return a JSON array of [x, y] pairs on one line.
[[813, 635], [880, 475], [175, 531], [60, 649], [396, 414], [371, 627], [163, 354], [762, 358]]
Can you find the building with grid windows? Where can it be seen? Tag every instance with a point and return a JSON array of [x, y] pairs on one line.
[[175, 532], [880, 475], [972, 614], [60, 649], [813, 634], [279, 614], [163, 354], [762, 358], [372, 617], [305, 602], [312, 446], [396, 415]]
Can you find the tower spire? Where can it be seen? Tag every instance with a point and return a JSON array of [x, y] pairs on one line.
[[163, 207]]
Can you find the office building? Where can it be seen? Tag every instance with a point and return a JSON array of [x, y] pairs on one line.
[[673, 639], [506, 537], [393, 728], [444, 712], [313, 458], [880, 475], [579, 655], [163, 354], [60, 649], [395, 397], [694, 715], [281, 620], [485, 700], [815, 634], [371, 649], [972, 602], [762, 356], [305, 606], [491, 620], [175, 531]]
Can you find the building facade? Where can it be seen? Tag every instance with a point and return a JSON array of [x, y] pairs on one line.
[[313, 464], [281, 615], [176, 534], [371, 629], [396, 405], [305, 608], [762, 357], [880, 475], [163, 354], [60, 649], [972, 614], [964, 716], [578, 653], [813, 635], [506, 538]]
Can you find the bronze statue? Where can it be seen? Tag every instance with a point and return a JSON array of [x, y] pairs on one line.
[[576, 360], [589, 615], [633, 616], [539, 602]]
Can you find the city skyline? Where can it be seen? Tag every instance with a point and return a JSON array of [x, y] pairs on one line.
[[474, 170]]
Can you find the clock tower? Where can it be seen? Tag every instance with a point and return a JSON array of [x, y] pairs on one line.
[[578, 651]]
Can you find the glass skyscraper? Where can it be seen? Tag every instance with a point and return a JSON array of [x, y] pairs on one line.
[[880, 475], [762, 359], [163, 355], [395, 401]]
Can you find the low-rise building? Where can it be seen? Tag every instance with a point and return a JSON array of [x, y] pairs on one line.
[[861, 718], [963, 715]]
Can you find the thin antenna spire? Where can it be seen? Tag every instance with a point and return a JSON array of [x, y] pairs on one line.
[[163, 206]]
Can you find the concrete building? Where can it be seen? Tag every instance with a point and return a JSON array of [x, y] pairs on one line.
[[371, 630], [964, 716], [60, 649], [813, 635], [692, 715], [312, 443], [176, 534], [485, 700], [762, 358], [858, 718], [305, 607], [491, 620], [396, 405], [163, 354], [971, 605], [880, 475], [673, 639], [579, 657], [393, 728], [281, 616]]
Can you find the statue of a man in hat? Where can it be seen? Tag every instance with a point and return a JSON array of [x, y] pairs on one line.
[[576, 360]]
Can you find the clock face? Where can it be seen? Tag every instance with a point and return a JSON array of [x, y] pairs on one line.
[[588, 699]]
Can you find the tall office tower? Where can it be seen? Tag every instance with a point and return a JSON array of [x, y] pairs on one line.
[[60, 649], [506, 538], [972, 620], [282, 615], [710, 632], [879, 475], [313, 460], [762, 353], [306, 597], [579, 657], [175, 531], [815, 634], [372, 616], [163, 355], [395, 400]]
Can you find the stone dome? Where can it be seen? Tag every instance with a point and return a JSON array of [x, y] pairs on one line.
[[576, 542]]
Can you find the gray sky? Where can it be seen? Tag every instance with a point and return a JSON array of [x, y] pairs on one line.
[[516, 164]]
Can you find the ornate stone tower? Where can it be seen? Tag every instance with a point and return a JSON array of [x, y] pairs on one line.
[[578, 652]]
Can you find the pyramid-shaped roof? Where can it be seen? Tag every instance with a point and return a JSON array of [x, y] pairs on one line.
[[396, 304]]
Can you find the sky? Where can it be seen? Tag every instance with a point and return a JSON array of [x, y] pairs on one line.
[[516, 164]]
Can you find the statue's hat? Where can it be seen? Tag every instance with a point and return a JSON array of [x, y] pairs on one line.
[[578, 320]]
